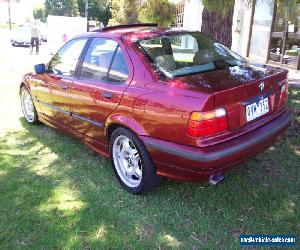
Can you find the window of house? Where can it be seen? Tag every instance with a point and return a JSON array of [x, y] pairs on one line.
[[179, 14]]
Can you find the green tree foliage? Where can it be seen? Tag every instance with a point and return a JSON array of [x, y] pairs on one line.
[[289, 8], [40, 13], [99, 10], [135, 11], [157, 11], [81, 7], [124, 12], [62, 7]]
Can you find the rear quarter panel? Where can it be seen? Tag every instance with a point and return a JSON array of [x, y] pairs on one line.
[[160, 111]]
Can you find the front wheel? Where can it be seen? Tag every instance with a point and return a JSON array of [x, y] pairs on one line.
[[27, 105], [131, 162]]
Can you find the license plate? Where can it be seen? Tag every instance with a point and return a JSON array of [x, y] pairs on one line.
[[257, 109]]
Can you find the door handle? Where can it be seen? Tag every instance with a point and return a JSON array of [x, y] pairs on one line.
[[107, 95], [64, 86]]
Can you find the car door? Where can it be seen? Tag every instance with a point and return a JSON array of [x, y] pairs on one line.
[[103, 77], [54, 86]]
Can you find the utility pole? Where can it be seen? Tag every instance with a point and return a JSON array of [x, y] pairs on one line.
[[86, 8], [9, 18]]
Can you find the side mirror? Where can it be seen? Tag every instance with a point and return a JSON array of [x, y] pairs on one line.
[[40, 68]]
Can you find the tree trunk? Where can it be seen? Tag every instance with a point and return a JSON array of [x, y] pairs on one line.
[[217, 26], [285, 34]]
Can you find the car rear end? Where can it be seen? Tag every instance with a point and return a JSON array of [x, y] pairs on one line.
[[245, 106], [241, 108]]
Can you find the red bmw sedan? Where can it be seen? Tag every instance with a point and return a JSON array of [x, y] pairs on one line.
[[159, 102]]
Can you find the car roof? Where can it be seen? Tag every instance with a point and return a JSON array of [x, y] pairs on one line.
[[133, 31]]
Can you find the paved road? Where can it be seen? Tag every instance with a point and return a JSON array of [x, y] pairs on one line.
[[17, 60]]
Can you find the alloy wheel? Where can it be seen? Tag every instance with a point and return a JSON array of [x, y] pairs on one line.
[[127, 161]]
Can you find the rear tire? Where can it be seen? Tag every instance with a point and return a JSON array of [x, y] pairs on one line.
[[28, 108], [131, 162]]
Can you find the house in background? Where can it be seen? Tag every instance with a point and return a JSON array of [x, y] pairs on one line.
[[257, 29]]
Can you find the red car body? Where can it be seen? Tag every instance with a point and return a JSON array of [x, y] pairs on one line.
[[158, 109]]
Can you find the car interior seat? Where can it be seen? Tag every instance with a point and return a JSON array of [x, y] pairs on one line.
[[201, 57]]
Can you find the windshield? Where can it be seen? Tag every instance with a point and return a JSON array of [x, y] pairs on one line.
[[188, 53]]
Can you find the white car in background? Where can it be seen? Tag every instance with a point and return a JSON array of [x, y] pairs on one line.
[[22, 37]]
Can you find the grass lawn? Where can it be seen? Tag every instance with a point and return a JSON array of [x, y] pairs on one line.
[[58, 194]]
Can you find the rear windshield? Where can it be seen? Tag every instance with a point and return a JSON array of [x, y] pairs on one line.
[[188, 53]]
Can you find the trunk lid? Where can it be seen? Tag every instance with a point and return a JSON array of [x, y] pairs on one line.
[[235, 88]]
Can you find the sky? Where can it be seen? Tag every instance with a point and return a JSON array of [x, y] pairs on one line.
[[19, 11]]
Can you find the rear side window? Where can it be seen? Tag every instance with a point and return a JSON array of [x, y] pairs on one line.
[[119, 70], [104, 61]]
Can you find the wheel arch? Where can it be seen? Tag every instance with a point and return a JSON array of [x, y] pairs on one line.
[[119, 120], [24, 84]]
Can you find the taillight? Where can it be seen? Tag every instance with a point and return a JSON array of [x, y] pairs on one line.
[[202, 124], [284, 88], [283, 93]]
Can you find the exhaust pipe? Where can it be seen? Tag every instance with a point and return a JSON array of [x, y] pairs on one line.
[[215, 179]]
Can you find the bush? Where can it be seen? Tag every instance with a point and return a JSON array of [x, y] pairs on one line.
[[292, 53]]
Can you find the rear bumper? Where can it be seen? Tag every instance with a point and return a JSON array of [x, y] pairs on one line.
[[193, 164]]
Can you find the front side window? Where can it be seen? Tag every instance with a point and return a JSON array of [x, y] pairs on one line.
[[104, 61], [65, 61], [187, 53]]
